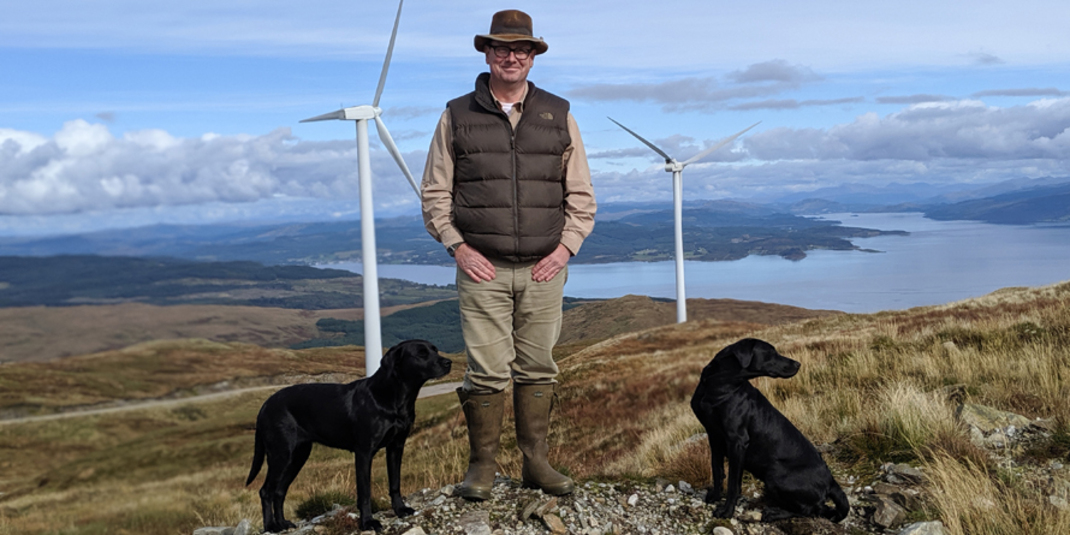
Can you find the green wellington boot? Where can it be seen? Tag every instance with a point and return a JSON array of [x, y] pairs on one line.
[[483, 413], [532, 404]]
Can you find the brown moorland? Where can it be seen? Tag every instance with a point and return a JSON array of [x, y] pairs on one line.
[[872, 389], [599, 320], [44, 333], [37, 334]]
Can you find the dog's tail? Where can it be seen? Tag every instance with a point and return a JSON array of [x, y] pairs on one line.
[[842, 505], [258, 457]]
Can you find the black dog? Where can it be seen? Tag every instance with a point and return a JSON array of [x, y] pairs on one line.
[[756, 437], [362, 417]]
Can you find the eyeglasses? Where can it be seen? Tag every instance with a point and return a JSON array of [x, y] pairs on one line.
[[502, 51]]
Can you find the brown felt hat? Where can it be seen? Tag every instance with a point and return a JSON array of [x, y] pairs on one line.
[[510, 26]]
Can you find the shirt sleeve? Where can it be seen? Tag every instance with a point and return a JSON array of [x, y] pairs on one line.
[[436, 188], [580, 205]]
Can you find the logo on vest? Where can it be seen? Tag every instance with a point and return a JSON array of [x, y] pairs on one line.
[[547, 115]]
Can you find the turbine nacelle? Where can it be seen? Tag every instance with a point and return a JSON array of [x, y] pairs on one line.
[[352, 113], [674, 166], [371, 113]]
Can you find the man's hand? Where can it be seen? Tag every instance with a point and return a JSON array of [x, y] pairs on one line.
[[474, 264], [548, 268]]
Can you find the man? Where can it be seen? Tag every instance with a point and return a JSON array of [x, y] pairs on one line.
[[507, 190]]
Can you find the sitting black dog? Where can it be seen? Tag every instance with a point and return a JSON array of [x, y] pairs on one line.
[[362, 417], [756, 437]]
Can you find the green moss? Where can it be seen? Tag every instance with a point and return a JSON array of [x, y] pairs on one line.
[[883, 343], [323, 502], [965, 338], [1028, 331]]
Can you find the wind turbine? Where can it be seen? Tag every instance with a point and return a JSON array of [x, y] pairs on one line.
[[677, 170], [373, 342]]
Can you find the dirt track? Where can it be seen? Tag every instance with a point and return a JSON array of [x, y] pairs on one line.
[[427, 391]]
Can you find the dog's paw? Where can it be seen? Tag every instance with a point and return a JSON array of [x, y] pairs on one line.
[[285, 525], [774, 514], [370, 524], [404, 511], [712, 497], [724, 511]]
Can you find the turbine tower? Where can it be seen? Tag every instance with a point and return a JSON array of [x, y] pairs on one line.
[[677, 170], [373, 342]]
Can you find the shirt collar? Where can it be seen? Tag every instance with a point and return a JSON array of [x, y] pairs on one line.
[[518, 106]]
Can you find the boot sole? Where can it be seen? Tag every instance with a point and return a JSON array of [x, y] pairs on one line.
[[475, 495], [553, 491]]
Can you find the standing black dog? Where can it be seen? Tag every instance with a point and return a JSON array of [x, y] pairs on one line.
[[362, 417], [756, 437]]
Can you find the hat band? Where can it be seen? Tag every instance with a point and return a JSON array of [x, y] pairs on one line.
[[519, 30]]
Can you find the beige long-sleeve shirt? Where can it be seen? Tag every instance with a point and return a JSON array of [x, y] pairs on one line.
[[436, 189]]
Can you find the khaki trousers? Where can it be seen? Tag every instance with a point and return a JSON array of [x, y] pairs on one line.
[[510, 326]]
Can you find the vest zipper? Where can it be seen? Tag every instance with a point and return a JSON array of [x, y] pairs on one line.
[[516, 195]]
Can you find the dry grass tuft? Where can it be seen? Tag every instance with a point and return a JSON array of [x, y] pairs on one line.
[[972, 499]]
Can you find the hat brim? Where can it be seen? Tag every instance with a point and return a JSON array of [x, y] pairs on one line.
[[540, 45]]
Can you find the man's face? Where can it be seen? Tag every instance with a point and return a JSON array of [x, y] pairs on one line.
[[509, 69]]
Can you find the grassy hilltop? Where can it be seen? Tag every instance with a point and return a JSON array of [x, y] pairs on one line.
[[873, 388]]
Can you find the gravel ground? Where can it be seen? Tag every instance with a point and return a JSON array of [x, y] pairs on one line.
[[594, 509]]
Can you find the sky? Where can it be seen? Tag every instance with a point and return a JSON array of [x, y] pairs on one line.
[[121, 113]]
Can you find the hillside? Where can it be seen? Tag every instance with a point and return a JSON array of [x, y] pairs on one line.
[[167, 369], [606, 319], [99, 280], [874, 389], [582, 322], [1049, 204], [46, 333], [439, 322]]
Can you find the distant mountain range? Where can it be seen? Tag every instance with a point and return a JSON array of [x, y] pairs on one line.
[[102, 280], [714, 230], [900, 197], [1049, 204]]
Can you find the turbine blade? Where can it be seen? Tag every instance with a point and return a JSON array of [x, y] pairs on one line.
[[723, 142], [640, 138], [389, 53], [384, 136], [334, 115]]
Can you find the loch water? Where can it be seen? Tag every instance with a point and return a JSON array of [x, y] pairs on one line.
[[938, 262]]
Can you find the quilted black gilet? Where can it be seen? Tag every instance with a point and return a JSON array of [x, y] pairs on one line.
[[509, 185]]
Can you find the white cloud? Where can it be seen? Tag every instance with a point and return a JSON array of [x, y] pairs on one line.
[[938, 142], [18, 141], [708, 93], [792, 104], [1022, 92], [967, 130], [776, 70], [81, 139], [913, 99], [83, 167], [984, 58]]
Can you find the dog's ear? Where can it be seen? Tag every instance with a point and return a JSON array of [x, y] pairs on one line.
[[390, 360], [744, 351]]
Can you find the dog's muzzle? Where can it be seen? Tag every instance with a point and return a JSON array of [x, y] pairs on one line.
[[787, 368], [445, 365]]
